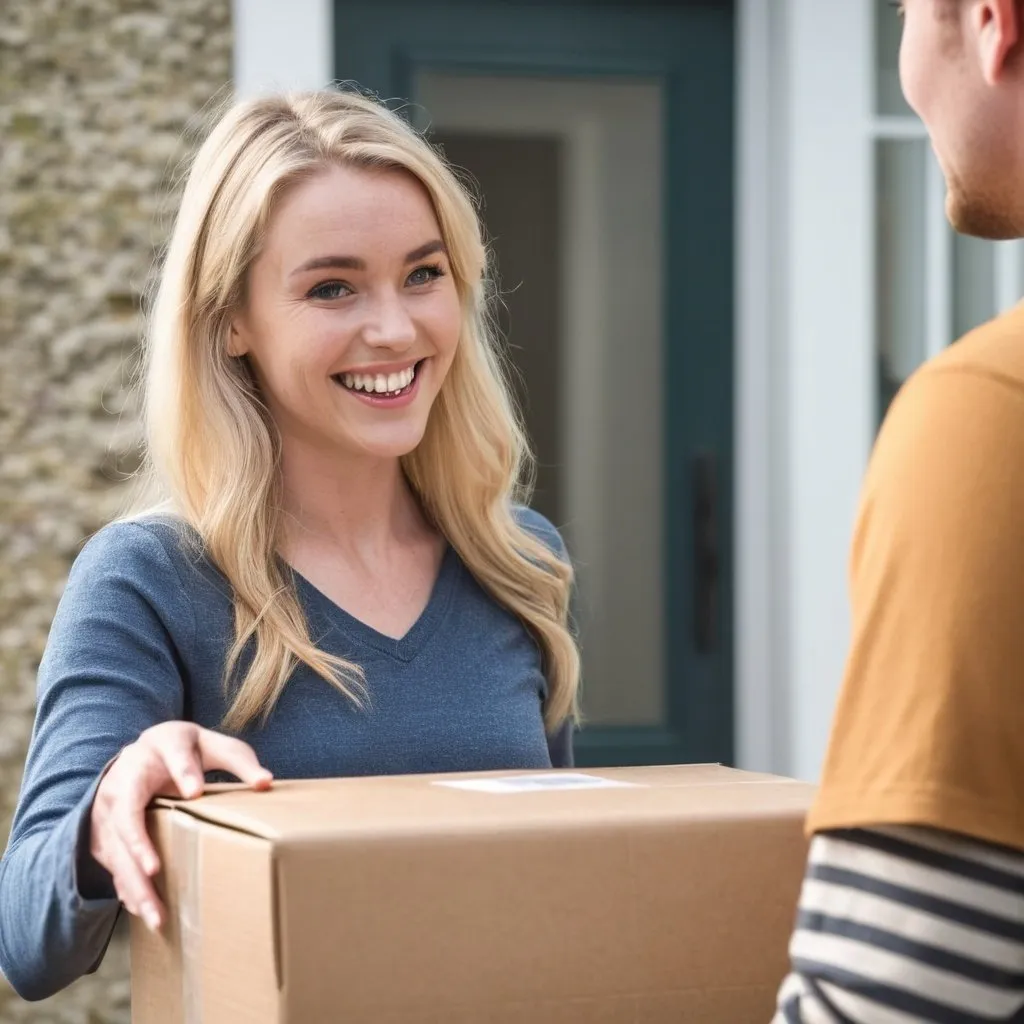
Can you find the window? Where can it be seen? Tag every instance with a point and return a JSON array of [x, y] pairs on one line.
[[931, 284]]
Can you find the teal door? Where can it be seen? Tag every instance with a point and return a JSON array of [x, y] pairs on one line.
[[600, 135]]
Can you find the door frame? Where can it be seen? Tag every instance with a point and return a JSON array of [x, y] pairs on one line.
[[277, 49]]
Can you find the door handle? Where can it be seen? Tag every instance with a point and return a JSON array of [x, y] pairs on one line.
[[706, 554]]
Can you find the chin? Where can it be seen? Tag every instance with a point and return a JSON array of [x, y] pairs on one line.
[[983, 209], [392, 446], [983, 219]]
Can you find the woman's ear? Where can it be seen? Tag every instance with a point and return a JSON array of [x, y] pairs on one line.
[[237, 345]]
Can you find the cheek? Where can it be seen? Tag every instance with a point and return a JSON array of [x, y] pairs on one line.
[[323, 340], [294, 351], [913, 69], [312, 340], [446, 325], [931, 67]]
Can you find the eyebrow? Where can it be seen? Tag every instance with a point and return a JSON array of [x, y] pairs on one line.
[[356, 263]]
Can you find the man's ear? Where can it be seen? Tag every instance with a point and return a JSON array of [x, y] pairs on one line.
[[997, 28]]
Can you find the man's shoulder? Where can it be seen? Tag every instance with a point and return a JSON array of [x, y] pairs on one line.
[[964, 406], [994, 350]]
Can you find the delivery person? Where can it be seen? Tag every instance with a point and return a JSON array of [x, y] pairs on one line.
[[913, 903], [338, 580]]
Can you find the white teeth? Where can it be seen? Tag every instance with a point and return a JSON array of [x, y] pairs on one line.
[[380, 383]]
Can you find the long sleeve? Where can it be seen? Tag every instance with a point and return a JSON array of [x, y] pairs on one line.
[[111, 669], [560, 747], [906, 925]]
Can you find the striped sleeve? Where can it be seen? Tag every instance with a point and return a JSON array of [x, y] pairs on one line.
[[903, 925]]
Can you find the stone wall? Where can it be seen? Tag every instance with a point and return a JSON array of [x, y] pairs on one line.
[[94, 97]]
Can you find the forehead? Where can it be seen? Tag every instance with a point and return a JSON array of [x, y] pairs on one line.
[[352, 211]]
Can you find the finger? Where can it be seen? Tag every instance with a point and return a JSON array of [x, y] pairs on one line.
[[134, 888], [229, 754], [182, 762], [128, 819]]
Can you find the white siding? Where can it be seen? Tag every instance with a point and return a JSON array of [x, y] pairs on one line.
[[282, 44]]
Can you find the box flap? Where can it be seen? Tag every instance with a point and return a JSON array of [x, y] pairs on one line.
[[297, 811]]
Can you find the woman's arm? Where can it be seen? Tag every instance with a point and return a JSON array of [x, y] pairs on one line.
[[560, 747], [112, 668]]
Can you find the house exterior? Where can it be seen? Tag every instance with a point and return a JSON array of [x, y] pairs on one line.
[[730, 199], [721, 241]]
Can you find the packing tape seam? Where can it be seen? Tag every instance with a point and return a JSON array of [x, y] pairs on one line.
[[188, 857]]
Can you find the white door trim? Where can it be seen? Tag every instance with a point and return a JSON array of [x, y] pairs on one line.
[[806, 374], [760, 597]]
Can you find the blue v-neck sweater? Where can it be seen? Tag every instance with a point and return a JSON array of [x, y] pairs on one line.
[[140, 637]]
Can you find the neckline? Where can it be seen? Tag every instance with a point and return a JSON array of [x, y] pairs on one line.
[[403, 648]]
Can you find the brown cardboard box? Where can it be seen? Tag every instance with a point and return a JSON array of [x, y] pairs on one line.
[[645, 895]]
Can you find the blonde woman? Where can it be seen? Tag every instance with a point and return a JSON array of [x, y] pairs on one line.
[[338, 579]]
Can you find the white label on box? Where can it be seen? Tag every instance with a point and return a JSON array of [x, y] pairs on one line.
[[538, 783]]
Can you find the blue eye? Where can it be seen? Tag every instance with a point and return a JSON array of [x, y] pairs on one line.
[[425, 274], [329, 290]]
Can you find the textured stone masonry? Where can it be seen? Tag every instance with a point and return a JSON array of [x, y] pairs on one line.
[[94, 98]]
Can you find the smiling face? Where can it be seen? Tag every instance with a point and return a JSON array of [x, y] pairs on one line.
[[352, 317]]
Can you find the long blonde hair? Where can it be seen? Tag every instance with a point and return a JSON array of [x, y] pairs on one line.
[[212, 451]]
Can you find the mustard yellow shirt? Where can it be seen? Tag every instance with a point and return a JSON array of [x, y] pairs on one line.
[[929, 728]]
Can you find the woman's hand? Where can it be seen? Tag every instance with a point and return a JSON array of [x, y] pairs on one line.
[[168, 759]]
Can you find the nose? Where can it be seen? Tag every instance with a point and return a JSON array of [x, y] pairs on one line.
[[388, 324]]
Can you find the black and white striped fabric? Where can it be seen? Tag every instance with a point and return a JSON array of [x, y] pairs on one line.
[[907, 925]]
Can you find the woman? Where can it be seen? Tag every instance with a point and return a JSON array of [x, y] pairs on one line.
[[337, 580]]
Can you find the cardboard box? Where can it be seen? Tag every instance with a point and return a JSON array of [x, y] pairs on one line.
[[645, 895]]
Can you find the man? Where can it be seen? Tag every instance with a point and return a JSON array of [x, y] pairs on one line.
[[913, 904]]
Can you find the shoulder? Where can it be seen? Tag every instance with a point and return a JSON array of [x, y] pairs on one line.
[[939, 515], [125, 596], [156, 558], [986, 362], [995, 350], [968, 393], [542, 529], [955, 433], [141, 547]]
